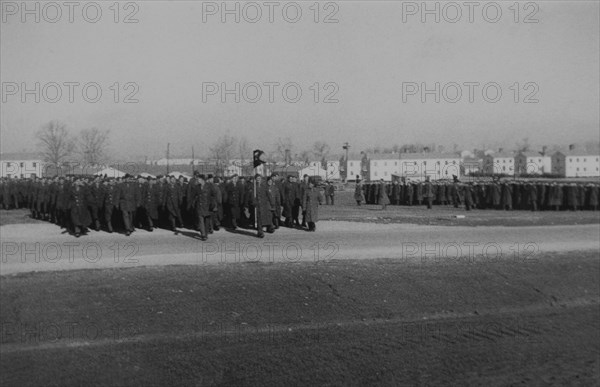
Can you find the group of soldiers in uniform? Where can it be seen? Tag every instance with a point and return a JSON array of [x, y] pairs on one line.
[[495, 194], [204, 203]]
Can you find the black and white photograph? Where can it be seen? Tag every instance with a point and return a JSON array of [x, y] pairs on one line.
[[299, 193]]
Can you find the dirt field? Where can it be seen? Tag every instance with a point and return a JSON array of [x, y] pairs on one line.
[[356, 303]]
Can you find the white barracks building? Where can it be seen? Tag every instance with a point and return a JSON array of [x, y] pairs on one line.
[[576, 163], [21, 165], [532, 163], [414, 166]]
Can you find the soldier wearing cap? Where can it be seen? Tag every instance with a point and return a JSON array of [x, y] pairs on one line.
[[80, 216], [290, 192], [111, 202], [200, 197], [263, 202], [215, 194], [359, 195], [234, 199], [128, 202], [311, 200]]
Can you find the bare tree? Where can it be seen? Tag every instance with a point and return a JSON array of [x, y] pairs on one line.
[[320, 150], [55, 142], [282, 145], [523, 145], [222, 151], [93, 146], [243, 149], [305, 156]]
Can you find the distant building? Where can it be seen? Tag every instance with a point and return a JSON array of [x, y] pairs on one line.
[[532, 163], [21, 165], [350, 168], [576, 163], [330, 172], [383, 166], [413, 166], [499, 163], [471, 165], [438, 166], [175, 161]]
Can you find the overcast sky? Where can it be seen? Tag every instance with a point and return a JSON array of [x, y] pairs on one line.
[[369, 53]]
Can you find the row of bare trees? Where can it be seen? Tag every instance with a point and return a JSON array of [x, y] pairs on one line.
[[58, 146]]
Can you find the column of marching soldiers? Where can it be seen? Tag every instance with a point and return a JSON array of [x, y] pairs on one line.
[[500, 195], [204, 203]]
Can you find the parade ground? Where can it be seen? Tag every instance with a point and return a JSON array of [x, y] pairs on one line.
[[402, 296]]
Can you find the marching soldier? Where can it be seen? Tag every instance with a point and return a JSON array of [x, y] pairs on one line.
[[263, 202], [95, 199], [382, 197], [200, 198], [428, 194], [80, 216], [111, 202], [359, 195], [275, 199], [128, 203], [172, 197], [235, 194], [310, 202], [329, 193]]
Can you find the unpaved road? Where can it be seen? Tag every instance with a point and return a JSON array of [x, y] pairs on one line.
[[44, 247], [450, 306]]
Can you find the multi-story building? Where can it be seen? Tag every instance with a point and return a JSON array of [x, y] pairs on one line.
[[576, 163], [471, 165], [331, 171], [383, 166], [532, 163], [499, 163], [21, 165], [349, 169], [436, 166], [413, 166]]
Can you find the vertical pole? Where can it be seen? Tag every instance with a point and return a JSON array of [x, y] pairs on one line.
[[193, 162], [168, 145], [255, 204]]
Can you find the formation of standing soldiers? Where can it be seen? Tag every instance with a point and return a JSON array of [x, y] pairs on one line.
[[204, 203], [505, 195]]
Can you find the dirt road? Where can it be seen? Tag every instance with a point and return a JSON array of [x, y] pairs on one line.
[[44, 247]]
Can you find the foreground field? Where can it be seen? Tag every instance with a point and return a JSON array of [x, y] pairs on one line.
[[379, 322], [377, 298]]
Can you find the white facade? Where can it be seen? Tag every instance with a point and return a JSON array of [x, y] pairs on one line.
[[414, 166], [533, 163], [353, 169], [383, 166], [331, 173], [501, 163], [21, 168], [176, 161], [438, 166], [576, 164]]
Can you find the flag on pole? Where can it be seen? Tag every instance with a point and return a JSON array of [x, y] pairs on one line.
[[258, 157]]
